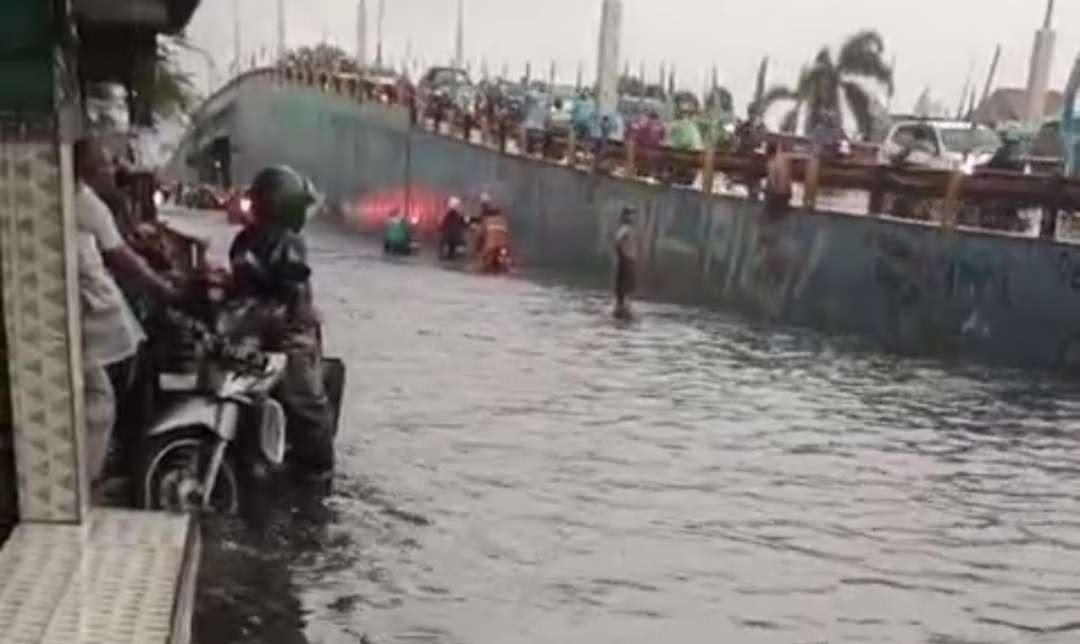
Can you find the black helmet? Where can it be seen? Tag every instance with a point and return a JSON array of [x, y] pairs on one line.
[[280, 196]]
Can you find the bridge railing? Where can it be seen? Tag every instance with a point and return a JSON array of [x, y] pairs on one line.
[[990, 199]]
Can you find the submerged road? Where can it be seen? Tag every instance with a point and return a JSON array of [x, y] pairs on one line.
[[515, 468]]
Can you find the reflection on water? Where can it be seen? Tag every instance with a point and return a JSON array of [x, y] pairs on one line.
[[516, 468]]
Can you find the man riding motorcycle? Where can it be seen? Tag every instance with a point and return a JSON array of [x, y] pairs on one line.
[[269, 263], [493, 239]]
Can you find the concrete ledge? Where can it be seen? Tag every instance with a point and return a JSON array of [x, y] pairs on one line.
[[124, 577]]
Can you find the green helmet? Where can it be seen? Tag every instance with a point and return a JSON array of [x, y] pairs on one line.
[[280, 196]]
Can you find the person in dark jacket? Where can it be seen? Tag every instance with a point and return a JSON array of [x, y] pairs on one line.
[[452, 230], [269, 262]]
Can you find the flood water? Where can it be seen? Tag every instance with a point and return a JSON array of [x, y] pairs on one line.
[[516, 468]]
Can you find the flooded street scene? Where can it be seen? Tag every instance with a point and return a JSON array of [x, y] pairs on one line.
[[560, 322], [516, 467]]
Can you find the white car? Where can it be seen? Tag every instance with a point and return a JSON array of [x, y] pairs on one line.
[[944, 145]]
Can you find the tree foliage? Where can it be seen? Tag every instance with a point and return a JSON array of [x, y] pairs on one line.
[[170, 89], [631, 86], [158, 90], [844, 84], [720, 100], [757, 104], [322, 57]]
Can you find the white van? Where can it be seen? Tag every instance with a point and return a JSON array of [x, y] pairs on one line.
[[945, 145]]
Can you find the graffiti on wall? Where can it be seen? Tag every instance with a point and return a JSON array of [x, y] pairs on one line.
[[1068, 270], [779, 264], [922, 286]]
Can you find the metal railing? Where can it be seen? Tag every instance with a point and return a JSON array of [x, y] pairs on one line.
[[887, 189]]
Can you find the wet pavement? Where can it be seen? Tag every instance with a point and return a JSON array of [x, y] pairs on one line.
[[517, 468]]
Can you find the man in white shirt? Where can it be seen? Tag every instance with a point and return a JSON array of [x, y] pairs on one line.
[[111, 335]]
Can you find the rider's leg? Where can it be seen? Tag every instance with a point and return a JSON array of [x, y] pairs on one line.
[[307, 408]]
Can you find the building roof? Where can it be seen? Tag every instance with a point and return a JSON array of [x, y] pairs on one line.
[[1009, 104]]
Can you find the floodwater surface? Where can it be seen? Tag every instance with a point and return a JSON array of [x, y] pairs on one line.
[[516, 468]]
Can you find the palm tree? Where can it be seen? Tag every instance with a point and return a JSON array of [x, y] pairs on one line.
[[757, 104], [843, 85], [168, 89], [719, 100]]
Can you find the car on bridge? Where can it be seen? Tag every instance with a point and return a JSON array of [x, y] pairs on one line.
[[446, 90], [941, 144]]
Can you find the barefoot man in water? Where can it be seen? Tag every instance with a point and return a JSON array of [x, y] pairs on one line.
[[626, 254]]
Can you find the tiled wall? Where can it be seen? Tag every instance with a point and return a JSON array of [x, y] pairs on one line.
[[8, 501], [41, 323]]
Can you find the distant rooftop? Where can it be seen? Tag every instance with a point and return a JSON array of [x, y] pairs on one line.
[[1009, 104]]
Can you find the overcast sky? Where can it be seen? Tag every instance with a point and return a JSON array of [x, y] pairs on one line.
[[935, 42]]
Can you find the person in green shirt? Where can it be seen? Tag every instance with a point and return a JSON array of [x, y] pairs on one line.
[[398, 239], [686, 136]]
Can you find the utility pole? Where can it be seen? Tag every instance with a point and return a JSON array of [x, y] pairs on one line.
[[236, 38], [280, 29], [965, 90], [990, 76], [459, 39], [1042, 57], [607, 67], [379, 35], [361, 34]]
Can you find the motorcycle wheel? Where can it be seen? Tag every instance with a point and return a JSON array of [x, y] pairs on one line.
[[172, 470]]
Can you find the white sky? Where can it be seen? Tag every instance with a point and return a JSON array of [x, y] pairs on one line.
[[935, 41]]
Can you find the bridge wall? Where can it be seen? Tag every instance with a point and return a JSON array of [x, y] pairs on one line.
[[913, 287]]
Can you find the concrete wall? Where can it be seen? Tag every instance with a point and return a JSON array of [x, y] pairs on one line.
[[913, 287]]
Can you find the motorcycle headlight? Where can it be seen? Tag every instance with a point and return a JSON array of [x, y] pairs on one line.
[[272, 431]]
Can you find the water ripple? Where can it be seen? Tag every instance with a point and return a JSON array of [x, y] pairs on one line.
[[517, 469]]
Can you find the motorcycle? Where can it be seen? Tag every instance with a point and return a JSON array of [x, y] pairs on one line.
[[398, 239], [497, 261], [221, 432]]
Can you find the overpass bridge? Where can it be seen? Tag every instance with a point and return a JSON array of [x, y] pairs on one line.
[[922, 287]]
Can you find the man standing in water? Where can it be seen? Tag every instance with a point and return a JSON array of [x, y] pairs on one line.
[[626, 254]]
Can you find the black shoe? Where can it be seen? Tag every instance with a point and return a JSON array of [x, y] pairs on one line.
[[309, 476]]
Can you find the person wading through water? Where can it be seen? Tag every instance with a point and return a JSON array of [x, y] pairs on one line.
[[626, 255]]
